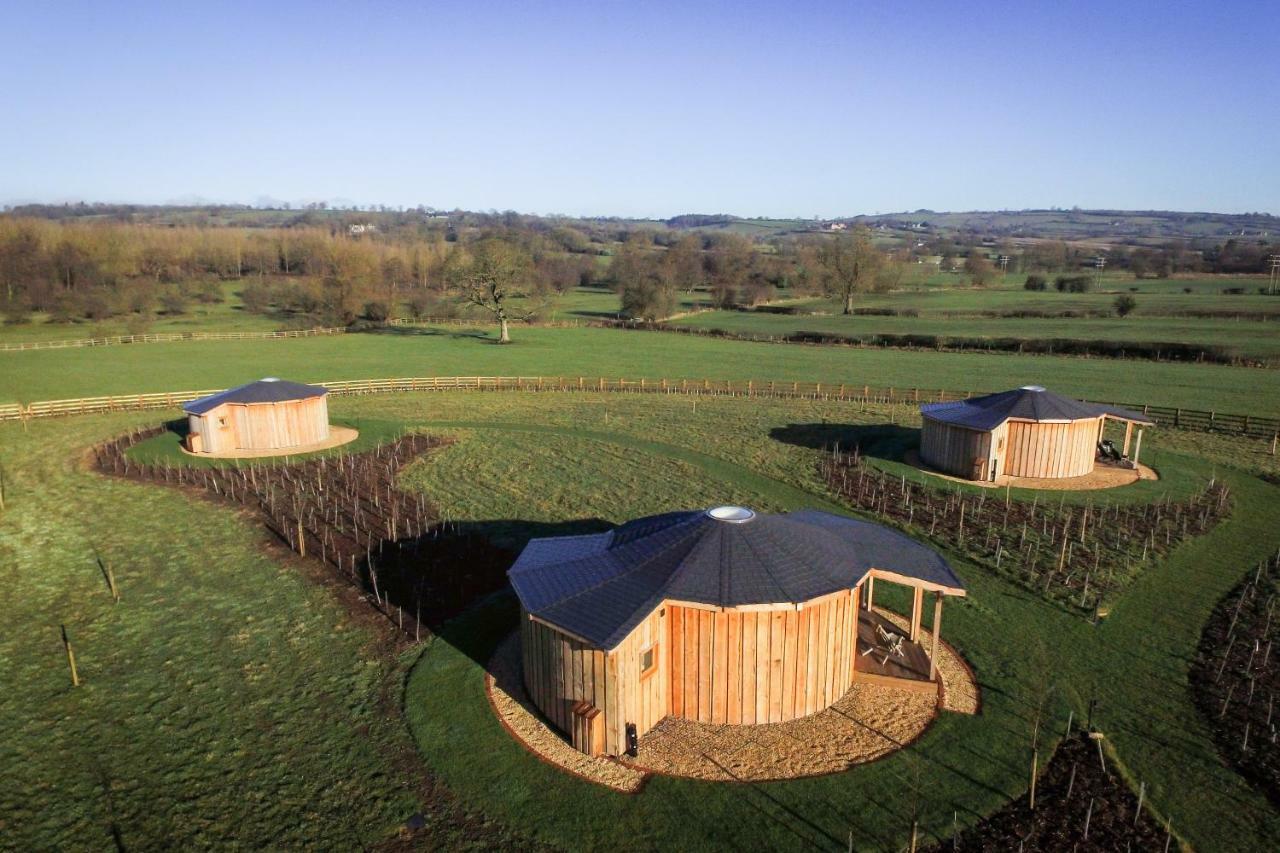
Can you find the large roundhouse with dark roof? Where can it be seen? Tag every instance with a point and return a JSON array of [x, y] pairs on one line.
[[1026, 432], [270, 414], [719, 616]]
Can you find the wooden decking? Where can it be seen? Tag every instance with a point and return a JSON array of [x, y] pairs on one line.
[[910, 670]]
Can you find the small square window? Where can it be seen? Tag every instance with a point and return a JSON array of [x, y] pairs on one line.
[[648, 659]]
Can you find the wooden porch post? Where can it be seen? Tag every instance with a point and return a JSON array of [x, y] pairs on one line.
[[1138, 449], [1128, 433], [857, 625], [917, 605], [871, 591], [937, 636]]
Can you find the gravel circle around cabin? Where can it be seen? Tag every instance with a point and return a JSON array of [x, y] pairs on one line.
[[338, 436], [867, 723], [1102, 477]]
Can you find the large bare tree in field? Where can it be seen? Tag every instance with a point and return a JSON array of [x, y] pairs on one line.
[[851, 264], [492, 274]]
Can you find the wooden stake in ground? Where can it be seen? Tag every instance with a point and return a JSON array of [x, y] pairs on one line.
[[71, 657], [111, 582], [1035, 760]]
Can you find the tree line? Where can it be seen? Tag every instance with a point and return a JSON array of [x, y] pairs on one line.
[[93, 271]]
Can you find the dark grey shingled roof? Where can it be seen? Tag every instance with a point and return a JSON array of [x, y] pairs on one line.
[[601, 586], [1031, 402], [262, 391]]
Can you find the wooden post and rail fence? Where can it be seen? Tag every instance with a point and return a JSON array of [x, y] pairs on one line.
[[1191, 419]]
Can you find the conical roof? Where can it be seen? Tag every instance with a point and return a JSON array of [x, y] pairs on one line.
[[1030, 402], [599, 587], [269, 390]]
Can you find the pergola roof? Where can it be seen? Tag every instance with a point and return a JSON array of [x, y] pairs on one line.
[[599, 587], [269, 390], [1030, 403]]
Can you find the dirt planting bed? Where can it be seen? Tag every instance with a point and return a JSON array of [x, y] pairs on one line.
[[1235, 678], [347, 512], [1080, 806], [1076, 555]]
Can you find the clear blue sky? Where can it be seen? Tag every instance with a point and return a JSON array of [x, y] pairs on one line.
[[646, 108]]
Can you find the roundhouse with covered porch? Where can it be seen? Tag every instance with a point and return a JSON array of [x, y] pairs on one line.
[[1026, 432], [718, 616]]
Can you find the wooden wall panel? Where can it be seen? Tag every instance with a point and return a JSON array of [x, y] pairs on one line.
[[1051, 450], [735, 666], [262, 426], [762, 666], [954, 449]]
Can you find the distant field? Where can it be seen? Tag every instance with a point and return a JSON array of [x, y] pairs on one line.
[[452, 351], [1250, 338]]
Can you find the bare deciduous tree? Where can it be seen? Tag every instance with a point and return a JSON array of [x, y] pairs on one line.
[[495, 275], [851, 264]]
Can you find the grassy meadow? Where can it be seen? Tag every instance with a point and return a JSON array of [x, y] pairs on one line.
[[541, 351], [230, 698]]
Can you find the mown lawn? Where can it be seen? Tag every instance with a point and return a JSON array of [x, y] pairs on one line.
[[1254, 339], [459, 351], [1134, 664], [228, 700]]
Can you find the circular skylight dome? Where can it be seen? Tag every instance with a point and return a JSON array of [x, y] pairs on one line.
[[1032, 387], [731, 514]]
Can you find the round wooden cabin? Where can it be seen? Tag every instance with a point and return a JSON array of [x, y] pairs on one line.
[[1026, 432], [719, 616], [270, 414]]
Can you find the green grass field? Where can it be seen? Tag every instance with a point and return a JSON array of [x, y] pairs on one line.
[[971, 764], [229, 699], [460, 351], [1245, 338]]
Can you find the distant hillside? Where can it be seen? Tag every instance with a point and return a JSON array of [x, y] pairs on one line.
[[1112, 225], [1133, 227]]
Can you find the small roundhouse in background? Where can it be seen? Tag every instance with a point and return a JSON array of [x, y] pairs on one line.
[[270, 414], [1026, 432], [717, 616]]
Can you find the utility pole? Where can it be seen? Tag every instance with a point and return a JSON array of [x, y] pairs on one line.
[[1004, 264], [1098, 263], [1274, 260]]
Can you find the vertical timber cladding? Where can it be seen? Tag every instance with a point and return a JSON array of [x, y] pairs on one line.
[[1044, 449], [761, 665], [955, 449], [262, 426], [560, 671], [289, 423]]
